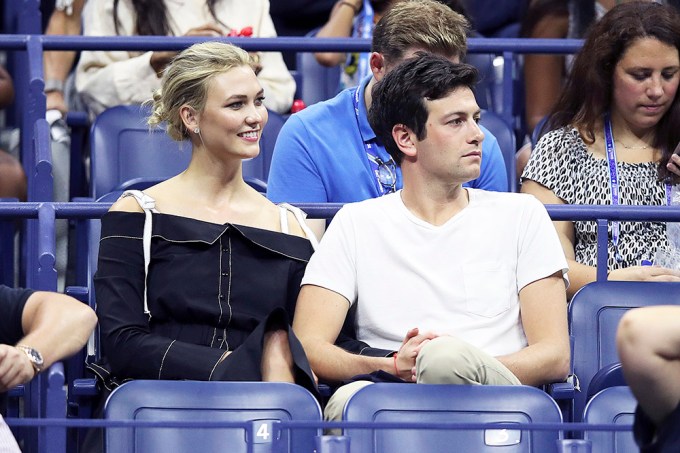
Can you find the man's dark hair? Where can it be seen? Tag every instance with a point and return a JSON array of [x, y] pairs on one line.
[[399, 98]]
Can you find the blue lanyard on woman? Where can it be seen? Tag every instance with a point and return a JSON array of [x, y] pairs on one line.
[[614, 182], [385, 171]]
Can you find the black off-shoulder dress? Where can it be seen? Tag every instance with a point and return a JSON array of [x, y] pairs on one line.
[[210, 288]]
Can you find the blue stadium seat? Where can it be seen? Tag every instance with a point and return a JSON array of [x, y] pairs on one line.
[[614, 405], [318, 82], [594, 315], [82, 385], [262, 404], [608, 376], [123, 149], [506, 141], [538, 131], [427, 404]]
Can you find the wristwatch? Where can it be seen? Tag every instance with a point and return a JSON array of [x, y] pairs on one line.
[[34, 356], [54, 85]]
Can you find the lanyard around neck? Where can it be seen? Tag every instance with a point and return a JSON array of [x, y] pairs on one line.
[[371, 148], [614, 181]]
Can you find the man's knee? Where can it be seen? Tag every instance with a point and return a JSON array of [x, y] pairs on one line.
[[336, 403], [450, 360], [442, 359]]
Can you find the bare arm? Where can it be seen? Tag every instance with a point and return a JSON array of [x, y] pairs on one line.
[[543, 307], [6, 88], [543, 73], [581, 274], [648, 341], [54, 324], [339, 25], [319, 316], [58, 64]]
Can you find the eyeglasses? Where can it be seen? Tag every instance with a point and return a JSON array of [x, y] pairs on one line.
[[387, 174]]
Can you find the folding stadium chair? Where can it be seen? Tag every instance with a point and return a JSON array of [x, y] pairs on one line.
[[258, 168], [608, 376], [123, 150], [538, 131], [594, 315], [506, 141], [262, 404], [485, 88], [427, 404], [318, 82], [614, 405]]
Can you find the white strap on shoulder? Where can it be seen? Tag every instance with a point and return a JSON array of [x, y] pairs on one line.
[[283, 212], [148, 204], [300, 216]]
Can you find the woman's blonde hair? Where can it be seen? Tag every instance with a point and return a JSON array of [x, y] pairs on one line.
[[185, 82]]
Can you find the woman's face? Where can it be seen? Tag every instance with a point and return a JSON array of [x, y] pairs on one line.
[[234, 115], [645, 82]]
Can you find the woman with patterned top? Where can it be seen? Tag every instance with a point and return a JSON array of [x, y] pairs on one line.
[[612, 135]]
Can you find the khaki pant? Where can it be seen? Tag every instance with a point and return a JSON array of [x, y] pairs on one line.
[[444, 360]]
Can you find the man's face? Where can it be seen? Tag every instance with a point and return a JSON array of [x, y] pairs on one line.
[[452, 148]]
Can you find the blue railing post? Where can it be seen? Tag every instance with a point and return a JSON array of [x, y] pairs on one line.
[[602, 250]]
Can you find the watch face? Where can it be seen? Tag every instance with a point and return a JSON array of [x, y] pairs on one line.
[[33, 355]]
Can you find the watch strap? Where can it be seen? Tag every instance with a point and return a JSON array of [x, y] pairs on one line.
[[54, 85]]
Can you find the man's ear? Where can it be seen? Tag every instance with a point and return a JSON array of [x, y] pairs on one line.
[[189, 117], [377, 63], [405, 139]]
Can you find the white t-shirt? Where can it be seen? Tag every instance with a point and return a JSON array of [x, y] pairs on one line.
[[461, 278]]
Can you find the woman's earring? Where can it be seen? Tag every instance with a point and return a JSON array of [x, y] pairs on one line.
[[197, 130]]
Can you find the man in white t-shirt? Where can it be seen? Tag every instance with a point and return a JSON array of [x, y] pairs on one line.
[[467, 286]]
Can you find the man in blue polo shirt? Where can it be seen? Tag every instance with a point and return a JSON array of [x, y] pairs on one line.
[[329, 153]]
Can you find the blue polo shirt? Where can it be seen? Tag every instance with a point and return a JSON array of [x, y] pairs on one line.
[[320, 155]]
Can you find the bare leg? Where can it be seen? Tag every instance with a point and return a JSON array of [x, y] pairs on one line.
[[648, 340], [277, 360]]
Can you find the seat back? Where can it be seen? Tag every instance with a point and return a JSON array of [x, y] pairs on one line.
[[258, 168], [613, 405], [486, 87], [506, 141], [122, 147], [428, 404], [594, 315], [609, 376], [318, 82], [262, 404]]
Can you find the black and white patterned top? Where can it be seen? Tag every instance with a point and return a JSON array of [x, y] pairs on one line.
[[562, 163]]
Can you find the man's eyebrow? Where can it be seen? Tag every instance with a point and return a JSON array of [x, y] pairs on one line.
[[463, 113]]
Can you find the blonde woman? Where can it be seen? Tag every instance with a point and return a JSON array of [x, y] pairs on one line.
[[207, 292]]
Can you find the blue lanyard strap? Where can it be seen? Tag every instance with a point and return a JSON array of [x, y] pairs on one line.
[[385, 172], [366, 32], [614, 182]]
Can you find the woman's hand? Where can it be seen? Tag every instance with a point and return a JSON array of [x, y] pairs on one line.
[[645, 274], [673, 164]]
